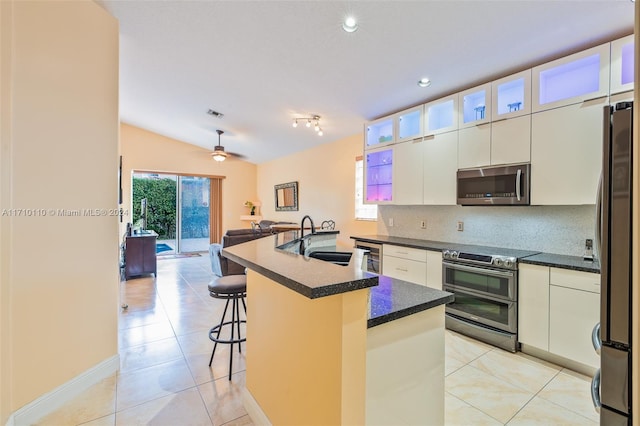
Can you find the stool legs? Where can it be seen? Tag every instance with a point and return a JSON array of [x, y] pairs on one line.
[[234, 324], [215, 345]]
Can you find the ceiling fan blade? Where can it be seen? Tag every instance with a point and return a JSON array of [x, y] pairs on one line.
[[236, 155]]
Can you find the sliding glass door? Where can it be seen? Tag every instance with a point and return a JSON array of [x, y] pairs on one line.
[[194, 213], [177, 209]]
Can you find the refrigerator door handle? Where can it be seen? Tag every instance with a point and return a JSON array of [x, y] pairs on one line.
[[598, 230], [595, 391], [595, 338]]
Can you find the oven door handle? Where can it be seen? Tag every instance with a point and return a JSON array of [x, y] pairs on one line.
[[492, 272]]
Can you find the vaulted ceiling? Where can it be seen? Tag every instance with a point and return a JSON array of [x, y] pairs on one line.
[[264, 63]]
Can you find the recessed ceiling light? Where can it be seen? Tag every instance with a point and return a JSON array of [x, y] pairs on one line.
[[350, 24], [424, 82]]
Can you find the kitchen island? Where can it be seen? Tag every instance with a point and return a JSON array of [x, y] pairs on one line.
[[332, 344]]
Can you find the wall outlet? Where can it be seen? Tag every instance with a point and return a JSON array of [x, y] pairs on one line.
[[423, 224], [460, 226], [390, 221]]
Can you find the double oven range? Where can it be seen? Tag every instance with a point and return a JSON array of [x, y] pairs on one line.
[[485, 285]]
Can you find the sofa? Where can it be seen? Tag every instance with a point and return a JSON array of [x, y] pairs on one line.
[[222, 266]]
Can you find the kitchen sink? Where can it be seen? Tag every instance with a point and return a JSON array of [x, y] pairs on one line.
[[337, 257]]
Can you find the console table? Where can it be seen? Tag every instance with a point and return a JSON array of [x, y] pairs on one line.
[[140, 254]]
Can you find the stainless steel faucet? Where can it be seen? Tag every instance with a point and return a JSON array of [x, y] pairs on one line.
[[313, 231]]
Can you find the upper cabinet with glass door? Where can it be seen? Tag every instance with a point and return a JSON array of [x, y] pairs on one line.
[[475, 106], [379, 132], [511, 96], [409, 124], [441, 116], [575, 78], [622, 58]]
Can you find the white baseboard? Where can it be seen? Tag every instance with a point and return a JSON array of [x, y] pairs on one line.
[[258, 417], [51, 401]]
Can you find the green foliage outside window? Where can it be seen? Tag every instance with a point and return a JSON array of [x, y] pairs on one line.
[[161, 205]]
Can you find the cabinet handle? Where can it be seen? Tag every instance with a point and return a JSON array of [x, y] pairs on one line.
[[595, 98], [402, 270], [595, 391], [429, 137], [483, 124], [623, 91], [499, 119]]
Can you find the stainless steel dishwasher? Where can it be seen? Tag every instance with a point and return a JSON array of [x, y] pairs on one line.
[[374, 256]]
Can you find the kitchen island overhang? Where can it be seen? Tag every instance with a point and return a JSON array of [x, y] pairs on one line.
[[320, 334]]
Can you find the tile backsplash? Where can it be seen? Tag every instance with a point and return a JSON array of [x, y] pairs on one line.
[[551, 229]]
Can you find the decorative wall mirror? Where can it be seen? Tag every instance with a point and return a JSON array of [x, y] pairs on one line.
[[287, 196]]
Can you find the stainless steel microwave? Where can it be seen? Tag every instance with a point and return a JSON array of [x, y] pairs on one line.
[[496, 185]]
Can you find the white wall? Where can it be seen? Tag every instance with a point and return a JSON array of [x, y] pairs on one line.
[[143, 150], [326, 181], [551, 229]]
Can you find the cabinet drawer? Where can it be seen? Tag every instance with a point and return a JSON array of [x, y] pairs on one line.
[[405, 269], [578, 280], [405, 252]]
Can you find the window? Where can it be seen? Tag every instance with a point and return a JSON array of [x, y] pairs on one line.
[[363, 211]]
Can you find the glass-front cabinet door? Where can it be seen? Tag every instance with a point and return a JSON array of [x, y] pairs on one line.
[[622, 57], [575, 78], [475, 106], [379, 132], [378, 175], [409, 124], [441, 116], [511, 96]]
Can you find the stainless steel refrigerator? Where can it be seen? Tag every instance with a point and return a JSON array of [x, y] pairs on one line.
[[611, 388]]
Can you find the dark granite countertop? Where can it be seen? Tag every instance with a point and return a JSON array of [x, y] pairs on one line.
[[393, 299], [390, 298], [441, 245], [575, 263], [525, 256]]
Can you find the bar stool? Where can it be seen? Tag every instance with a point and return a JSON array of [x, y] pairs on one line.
[[232, 288]]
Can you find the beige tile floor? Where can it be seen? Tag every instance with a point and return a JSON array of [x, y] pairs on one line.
[[164, 378]]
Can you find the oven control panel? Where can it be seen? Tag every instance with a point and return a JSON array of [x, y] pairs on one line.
[[503, 262]]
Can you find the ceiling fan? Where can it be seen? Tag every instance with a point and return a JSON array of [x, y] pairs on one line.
[[219, 154]]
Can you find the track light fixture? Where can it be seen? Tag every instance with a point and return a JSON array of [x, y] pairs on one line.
[[315, 120]]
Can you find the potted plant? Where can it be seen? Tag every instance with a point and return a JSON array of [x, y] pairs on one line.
[[251, 206]]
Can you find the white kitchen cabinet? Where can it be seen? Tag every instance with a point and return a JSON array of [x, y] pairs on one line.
[[378, 176], [511, 140], [379, 132], [566, 153], [405, 263], [440, 167], [557, 310], [434, 269], [408, 177], [511, 96], [475, 106], [622, 59], [474, 146], [571, 79], [441, 116], [409, 124], [399, 127], [508, 139], [574, 310], [533, 305]]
